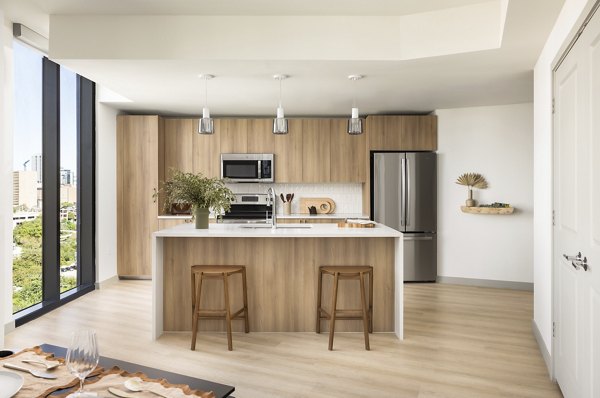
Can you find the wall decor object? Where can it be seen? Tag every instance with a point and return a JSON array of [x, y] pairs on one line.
[[472, 180]]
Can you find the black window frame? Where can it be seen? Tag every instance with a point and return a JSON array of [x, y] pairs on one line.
[[52, 298]]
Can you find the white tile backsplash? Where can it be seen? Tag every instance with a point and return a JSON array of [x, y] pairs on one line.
[[347, 197]]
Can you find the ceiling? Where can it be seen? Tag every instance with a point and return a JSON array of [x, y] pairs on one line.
[[416, 55]]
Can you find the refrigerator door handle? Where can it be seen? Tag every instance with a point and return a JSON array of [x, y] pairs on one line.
[[418, 238], [407, 193], [403, 192]]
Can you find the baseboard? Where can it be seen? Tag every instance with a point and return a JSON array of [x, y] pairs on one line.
[[542, 346], [9, 327], [486, 283], [107, 282]]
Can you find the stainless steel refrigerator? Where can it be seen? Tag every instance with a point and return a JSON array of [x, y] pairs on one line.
[[404, 197]]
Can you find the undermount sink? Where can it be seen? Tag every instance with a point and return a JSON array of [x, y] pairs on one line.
[[278, 227]]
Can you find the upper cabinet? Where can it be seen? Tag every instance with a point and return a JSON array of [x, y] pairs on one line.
[[347, 153], [178, 145], [316, 148], [206, 150], [234, 135], [288, 151], [402, 132]]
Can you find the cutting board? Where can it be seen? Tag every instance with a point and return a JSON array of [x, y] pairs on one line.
[[323, 205]]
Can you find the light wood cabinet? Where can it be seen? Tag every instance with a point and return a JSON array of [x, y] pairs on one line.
[[288, 152], [206, 150], [316, 148], [234, 135], [139, 159], [347, 153], [178, 146], [260, 136], [402, 132]]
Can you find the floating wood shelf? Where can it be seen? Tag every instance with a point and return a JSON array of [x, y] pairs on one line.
[[487, 210]]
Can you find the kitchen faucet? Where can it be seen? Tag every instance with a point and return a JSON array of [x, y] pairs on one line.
[[273, 199]]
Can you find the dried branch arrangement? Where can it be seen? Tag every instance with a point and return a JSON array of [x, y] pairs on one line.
[[472, 180]]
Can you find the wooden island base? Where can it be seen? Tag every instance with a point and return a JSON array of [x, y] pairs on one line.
[[282, 280]]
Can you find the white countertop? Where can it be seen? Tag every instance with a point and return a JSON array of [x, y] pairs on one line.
[[283, 231], [282, 216]]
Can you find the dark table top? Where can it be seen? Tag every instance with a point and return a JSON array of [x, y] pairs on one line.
[[220, 390]]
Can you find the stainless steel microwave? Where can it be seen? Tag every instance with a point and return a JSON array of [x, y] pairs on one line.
[[247, 167]]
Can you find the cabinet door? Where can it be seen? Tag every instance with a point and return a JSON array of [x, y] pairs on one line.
[[288, 153], [260, 136], [402, 133], [206, 150], [348, 153], [316, 150], [137, 179], [234, 135], [178, 146]]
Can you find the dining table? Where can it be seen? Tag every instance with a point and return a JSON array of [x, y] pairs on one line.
[[219, 390]]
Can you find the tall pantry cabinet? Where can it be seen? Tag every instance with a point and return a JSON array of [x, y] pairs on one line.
[[139, 140]]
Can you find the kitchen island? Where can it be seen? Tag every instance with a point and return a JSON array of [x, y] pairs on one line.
[[282, 268]]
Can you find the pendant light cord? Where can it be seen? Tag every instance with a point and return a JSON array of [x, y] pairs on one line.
[[205, 92], [280, 79]]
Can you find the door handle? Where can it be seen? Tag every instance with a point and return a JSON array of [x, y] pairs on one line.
[[418, 238], [572, 258], [579, 263]]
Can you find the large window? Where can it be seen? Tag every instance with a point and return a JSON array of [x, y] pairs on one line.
[[53, 181]]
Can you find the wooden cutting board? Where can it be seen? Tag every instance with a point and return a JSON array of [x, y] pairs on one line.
[[323, 205]]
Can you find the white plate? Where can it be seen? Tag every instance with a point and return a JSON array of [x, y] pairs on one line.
[[11, 383]]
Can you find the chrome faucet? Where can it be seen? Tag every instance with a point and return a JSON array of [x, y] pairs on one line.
[[273, 199]]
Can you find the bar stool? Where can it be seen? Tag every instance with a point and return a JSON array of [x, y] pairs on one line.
[[356, 272], [201, 272]]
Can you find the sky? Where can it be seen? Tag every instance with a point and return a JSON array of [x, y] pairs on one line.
[[28, 109]]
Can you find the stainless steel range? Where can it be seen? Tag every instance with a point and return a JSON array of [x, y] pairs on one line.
[[249, 208]]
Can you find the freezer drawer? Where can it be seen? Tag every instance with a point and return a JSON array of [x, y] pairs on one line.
[[420, 257]]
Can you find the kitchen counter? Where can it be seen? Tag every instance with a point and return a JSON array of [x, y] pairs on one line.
[[282, 269], [282, 231]]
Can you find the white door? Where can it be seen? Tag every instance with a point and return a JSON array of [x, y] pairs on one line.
[[577, 217]]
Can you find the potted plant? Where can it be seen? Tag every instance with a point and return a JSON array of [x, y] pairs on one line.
[[472, 180], [202, 193]]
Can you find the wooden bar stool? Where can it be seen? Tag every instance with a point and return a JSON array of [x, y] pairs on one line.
[[356, 272], [201, 272]]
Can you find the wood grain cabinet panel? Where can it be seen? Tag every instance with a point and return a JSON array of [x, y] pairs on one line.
[[178, 145], [347, 153], [316, 150], [288, 153], [206, 150], [234, 135], [402, 133], [138, 161], [260, 136]]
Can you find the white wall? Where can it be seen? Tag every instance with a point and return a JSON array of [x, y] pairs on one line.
[[6, 153], [496, 141], [542, 220], [106, 190]]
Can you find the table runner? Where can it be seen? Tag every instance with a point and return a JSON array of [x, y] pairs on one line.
[[116, 377], [35, 387]]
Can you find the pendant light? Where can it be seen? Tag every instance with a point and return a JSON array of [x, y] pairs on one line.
[[354, 123], [206, 125], [280, 123]]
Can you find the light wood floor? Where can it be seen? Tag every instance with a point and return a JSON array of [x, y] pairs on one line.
[[460, 342]]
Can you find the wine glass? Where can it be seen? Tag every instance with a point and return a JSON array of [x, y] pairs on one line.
[[82, 358]]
